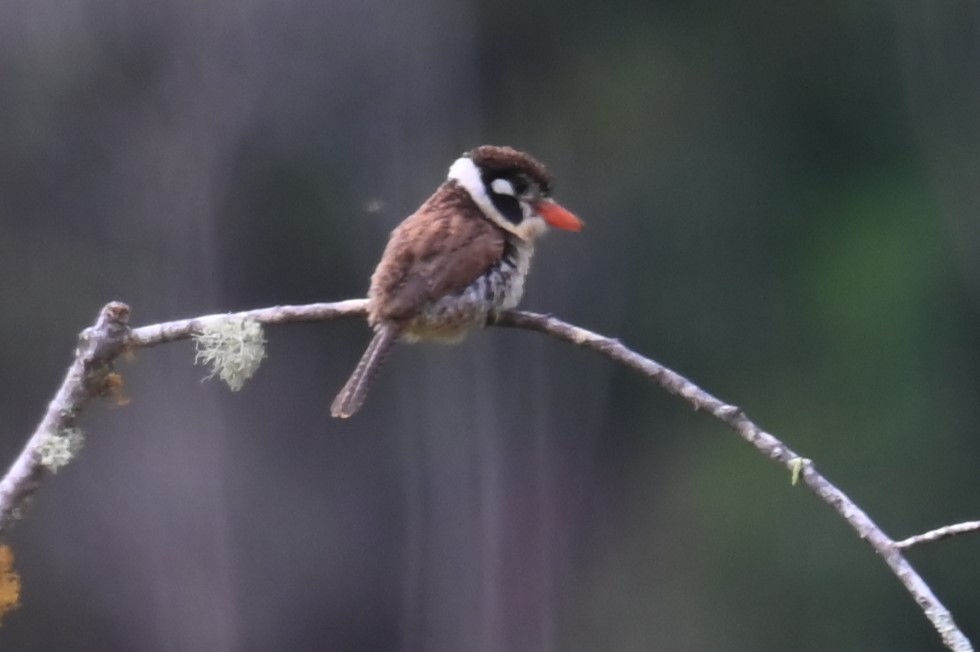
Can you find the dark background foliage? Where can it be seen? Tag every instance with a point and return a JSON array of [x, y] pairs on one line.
[[782, 202]]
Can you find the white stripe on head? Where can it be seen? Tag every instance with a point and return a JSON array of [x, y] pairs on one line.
[[466, 173]]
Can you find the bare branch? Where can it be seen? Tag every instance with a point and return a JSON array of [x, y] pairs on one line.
[[183, 329], [939, 534], [104, 342], [769, 446]]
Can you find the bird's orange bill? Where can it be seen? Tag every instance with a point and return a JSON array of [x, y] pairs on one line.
[[557, 216]]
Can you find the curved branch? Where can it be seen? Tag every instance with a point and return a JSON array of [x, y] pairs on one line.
[[768, 445], [88, 376]]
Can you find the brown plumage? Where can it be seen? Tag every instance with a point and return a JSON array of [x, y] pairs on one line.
[[462, 255], [439, 250]]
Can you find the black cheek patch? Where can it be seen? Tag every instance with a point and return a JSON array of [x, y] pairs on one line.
[[508, 206]]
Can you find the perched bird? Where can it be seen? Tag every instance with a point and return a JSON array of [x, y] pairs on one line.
[[458, 259]]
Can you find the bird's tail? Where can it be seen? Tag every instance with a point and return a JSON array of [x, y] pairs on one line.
[[351, 397]]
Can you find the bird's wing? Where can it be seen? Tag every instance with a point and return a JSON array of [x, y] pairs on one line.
[[431, 255]]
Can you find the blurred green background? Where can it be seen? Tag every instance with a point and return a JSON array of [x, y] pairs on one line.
[[782, 202]]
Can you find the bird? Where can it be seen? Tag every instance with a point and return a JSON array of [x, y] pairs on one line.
[[459, 259]]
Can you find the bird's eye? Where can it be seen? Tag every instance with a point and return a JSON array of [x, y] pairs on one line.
[[520, 185], [502, 187]]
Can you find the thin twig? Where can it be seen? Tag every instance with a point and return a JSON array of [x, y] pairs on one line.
[[105, 341], [939, 534]]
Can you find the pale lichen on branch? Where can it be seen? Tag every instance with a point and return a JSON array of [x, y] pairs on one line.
[[233, 348]]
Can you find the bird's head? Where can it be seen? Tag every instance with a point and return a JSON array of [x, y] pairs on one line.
[[513, 190]]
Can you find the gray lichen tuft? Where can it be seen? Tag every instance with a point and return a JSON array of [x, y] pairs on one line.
[[60, 448], [233, 348]]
